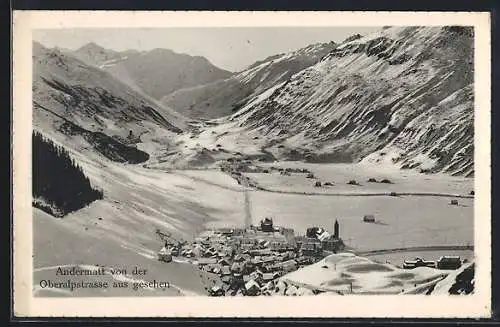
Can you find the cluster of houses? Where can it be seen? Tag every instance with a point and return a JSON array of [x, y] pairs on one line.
[[444, 263], [250, 261]]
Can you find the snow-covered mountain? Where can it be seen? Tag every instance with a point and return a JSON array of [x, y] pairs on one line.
[[223, 97], [77, 100], [402, 95], [157, 72]]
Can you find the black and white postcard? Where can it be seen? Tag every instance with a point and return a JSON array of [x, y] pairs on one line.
[[248, 164]]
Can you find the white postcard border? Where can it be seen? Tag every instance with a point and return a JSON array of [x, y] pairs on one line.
[[476, 305]]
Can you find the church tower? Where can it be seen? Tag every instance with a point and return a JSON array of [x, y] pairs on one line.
[[336, 229]]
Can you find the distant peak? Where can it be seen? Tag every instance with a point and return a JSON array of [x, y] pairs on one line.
[[38, 45], [352, 38], [91, 47]]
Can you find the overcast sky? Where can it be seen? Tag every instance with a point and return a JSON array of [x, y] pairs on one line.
[[229, 48]]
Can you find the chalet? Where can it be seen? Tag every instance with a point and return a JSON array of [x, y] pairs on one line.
[[290, 265], [205, 243], [323, 234], [223, 262], [256, 275], [277, 245], [303, 261], [236, 267], [246, 257], [311, 247], [238, 231], [239, 258], [449, 262], [260, 252], [216, 290], [198, 250], [312, 232], [248, 265], [252, 288], [248, 241], [280, 258], [266, 244], [268, 287], [226, 279], [273, 267], [237, 281], [287, 231], [267, 277], [369, 218], [226, 231], [256, 259], [210, 252], [418, 262], [332, 244], [206, 261], [246, 246], [269, 259], [225, 271]]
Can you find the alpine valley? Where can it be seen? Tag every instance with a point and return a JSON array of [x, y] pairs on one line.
[[378, 125]]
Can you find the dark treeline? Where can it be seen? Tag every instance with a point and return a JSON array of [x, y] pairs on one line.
[[59, 184]]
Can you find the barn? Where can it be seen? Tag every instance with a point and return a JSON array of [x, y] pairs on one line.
[[369, 218]]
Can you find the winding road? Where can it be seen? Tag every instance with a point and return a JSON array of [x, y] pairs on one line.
[[244, 183]]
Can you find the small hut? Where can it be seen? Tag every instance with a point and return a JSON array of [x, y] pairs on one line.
[[369, 218], [449, 262]]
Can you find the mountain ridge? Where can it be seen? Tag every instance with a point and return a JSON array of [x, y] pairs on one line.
[[401, 96], [156, 72], [222, 97], [81, 104]]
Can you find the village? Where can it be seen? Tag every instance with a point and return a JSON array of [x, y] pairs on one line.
[[249, 261]]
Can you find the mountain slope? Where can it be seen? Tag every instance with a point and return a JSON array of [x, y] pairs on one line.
[[94, 54], [223, 97], [401, 96], [83, 102], [157, 72]]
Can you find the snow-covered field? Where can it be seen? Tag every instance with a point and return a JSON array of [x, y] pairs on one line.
[[340, 272], [406, 181], [120, 230], [70, 242], [401, 221]]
